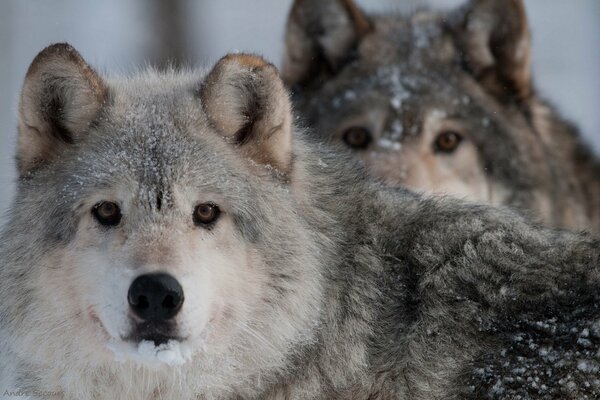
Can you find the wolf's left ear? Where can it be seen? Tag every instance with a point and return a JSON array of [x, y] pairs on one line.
[[494, 37], [319, 37], [60, 98], [247, 102]]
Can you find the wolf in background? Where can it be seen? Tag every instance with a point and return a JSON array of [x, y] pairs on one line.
[[175, 236], [443, 103]]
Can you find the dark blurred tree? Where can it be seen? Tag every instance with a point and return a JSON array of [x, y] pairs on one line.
[[171, 41]]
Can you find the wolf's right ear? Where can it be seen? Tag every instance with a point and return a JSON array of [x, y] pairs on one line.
[[495, 42], [60, 97], [247, 102], [319, 37]]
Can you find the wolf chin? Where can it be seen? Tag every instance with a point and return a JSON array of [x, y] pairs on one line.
[[443, 103], [175, 236]]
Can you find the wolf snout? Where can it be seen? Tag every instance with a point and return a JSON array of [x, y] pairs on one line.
[[155, 297]]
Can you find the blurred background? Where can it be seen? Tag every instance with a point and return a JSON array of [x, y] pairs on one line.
[[117, 36]]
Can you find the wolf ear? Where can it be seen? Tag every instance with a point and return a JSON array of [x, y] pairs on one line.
[[494, 36], [248, 103], [60, 97], [319, 36]]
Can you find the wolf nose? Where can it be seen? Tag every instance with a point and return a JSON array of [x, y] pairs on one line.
[[155, 297]]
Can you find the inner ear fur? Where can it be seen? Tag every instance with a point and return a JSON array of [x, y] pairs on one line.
[[247, 102], [319, 37], [61, 96], [495, 40]]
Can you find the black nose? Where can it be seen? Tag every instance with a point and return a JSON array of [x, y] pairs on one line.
[[155, 297]]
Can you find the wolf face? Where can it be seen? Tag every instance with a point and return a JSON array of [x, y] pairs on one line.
[[139, 207], [442, 103]]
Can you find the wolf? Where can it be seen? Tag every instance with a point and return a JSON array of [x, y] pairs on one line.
[[442, 102], [176, 236]]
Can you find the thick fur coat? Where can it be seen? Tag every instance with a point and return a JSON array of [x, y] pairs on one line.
[[314, 283]]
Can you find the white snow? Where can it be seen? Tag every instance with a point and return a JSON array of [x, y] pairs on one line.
[[396, 102], [172, 353], [388, 144]]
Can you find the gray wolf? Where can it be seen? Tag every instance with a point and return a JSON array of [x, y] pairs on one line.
[[176, 236], [443, 103]]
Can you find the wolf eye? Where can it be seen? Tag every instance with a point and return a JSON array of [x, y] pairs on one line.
[[357, 137], [107, 213], [206, 213], [447, 142]]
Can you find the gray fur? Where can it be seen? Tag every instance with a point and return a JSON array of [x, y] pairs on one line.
[[372, 292], [471, 68]]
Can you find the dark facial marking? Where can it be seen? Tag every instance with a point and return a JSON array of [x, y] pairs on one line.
[[159, 197]]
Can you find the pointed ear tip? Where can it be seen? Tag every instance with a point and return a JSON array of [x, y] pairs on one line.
[[57, 50], [247, 60]]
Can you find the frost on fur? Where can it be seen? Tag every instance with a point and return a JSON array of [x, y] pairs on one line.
[[172, 353]]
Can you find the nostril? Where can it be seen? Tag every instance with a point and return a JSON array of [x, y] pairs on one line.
[[169, 302], [155, 297], [142, 302], [137, 301]]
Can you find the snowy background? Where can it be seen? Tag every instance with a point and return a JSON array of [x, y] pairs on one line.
[[115, 36]]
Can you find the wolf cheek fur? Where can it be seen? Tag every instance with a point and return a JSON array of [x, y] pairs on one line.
[[414, 84], [313, 283]]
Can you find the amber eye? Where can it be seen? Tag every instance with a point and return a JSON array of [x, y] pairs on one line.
[[206, 213], [107, 213], [357, 137], [447, 142]]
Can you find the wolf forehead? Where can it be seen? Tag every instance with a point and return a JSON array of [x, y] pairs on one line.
[[153, 117], [400, 81], [152, 130], [412, 59], [403, 91]]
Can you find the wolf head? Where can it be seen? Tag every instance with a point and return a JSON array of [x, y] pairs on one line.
[[153, 222], [442, 103]]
